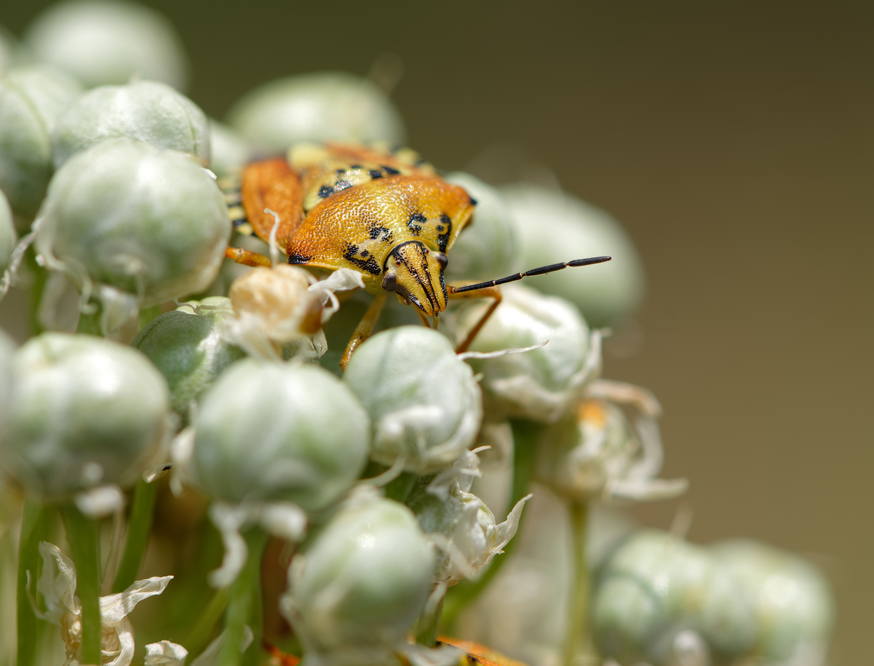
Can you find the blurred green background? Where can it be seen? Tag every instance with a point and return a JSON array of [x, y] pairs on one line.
[[733, 140]]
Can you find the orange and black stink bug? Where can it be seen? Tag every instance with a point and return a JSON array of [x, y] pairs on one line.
[[385, 214]]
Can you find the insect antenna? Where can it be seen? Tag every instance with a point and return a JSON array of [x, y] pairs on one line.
[[540, 270]]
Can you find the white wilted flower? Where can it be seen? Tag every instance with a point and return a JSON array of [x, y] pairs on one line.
[[147, 111], [165, 653], [57, 587], [541, 383], [460, 523], [423, 401]]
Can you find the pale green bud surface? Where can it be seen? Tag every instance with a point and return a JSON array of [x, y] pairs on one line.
[[7, 233], [102, 42], [538, 384], [186, 345], [423, 401], [148, 222], [31, 101], [360, 584], [326, 106], [85, 412], [554, 226], [488, 247], [276, 431], [144, 110], [229, 152]]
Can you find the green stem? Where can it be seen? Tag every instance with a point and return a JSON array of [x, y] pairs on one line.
[[399, 488], [35, 525], [40, 275], [244, 606], [84, 537], [577, 640], [426, 633], [464, 594], [203, 631], [138, 526]]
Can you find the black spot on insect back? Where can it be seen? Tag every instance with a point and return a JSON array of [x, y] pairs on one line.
[[325, 191], [363, 260], [375, 173], [391, 171], [297, 258], [414, 219]]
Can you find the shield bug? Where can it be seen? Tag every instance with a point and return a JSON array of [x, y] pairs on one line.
[[385, 214]]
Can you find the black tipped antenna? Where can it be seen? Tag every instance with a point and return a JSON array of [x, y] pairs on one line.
[[551, 268]]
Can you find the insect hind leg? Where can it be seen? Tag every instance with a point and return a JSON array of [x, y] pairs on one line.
[[484, 292]]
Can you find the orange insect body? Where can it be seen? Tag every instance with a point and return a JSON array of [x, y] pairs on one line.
[[385, 215]]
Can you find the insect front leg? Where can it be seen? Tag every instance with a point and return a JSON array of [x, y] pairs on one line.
[[247, 257], [365, 327], [487, 292]]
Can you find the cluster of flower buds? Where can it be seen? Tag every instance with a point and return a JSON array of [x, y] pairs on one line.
[[343, 513]]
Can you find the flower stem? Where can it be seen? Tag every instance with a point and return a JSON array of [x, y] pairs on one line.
[[577, 640], [36, 291], [35, 524], [199, 638], [138, 527], [84, 538], [464, 594], [244, 607]]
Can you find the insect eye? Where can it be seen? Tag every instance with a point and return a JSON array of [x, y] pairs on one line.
[[441, 258], [390, 281]]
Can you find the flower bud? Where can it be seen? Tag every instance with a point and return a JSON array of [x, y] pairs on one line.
[[144, 221], [324, 106], [360, 584], [144, 110], [790, 601], [186, 345], [102, 42], [488, 247], [85, 412], [423, 401], [279, 432], [7, 233], [538, 384], [554, 226], [31, 101], [229, 152]]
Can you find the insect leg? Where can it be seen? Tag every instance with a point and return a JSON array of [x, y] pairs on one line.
[[484, 292], [365, 327], [247, 257]]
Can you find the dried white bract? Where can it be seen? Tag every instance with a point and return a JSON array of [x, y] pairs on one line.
[[188, 347], [489, 246], [142, 222], [423, 401], [555, 226], [143, 110], [85, 412], [327, 106], [31, 101], [102, 42], [57, 586], [542, 383], [360, 584]]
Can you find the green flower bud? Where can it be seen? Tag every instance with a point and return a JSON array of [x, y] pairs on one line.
[[488, 248], [31, 101], [554, 226], [8, 237], [423, 401], [229, 151], [791, 603], [85, 412], [144, 221], [360, 584], [541, 383], [101, 42], [144, 110], [279, 432], [186, 345], [325, 106]]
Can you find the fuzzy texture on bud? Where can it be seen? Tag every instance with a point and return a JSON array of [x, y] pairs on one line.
[[186, 345], [541, 383], [147, 222], [423, 401], [143, 110], [85, 412], [31, 101], [102, 42], [359, 584], [271, 431], [555, 226], [326, 106], [7, 233]]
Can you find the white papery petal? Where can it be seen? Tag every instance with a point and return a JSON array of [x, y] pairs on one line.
[[165, 653], [57, 584], [228, 520]]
